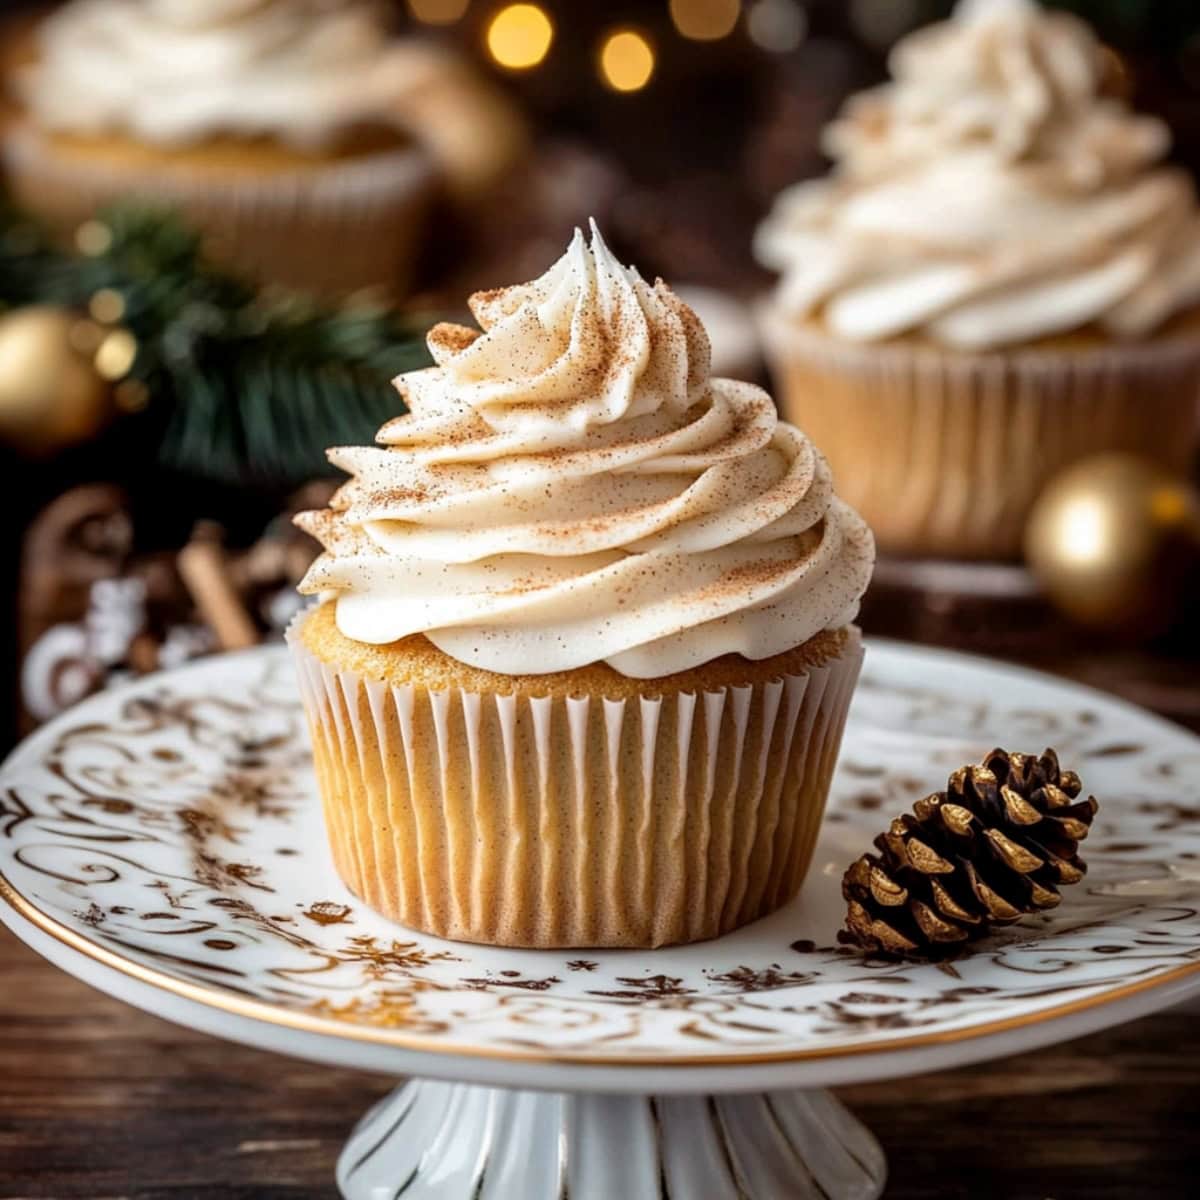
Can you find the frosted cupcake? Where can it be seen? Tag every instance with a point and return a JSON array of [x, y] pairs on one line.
[[999, 278], [269, 123], [585, 651]]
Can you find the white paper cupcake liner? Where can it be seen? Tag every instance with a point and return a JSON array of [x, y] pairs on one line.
[[335, 228], [582, 821], [945, 453]]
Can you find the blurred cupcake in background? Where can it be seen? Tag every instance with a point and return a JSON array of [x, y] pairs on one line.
[[999, 277], [272, 124]]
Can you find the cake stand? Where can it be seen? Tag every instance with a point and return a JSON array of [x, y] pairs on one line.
[[163, 843]]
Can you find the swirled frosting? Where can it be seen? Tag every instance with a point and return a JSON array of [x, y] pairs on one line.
[[990, 194], [173, 72], [571, 487]]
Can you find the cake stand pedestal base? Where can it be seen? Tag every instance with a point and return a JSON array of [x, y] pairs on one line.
[[452, 1141]]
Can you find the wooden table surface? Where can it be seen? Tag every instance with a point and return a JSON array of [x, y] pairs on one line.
[[99, 1101]]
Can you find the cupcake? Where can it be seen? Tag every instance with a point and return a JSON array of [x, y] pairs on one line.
[[999, 277], [584, 651], [269, 123]]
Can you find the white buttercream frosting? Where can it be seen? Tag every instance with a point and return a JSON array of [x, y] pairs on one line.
[[991, 193], [571, 487], [173, 72]]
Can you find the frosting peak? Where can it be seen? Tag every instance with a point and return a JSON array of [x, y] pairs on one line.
[[173, 72], [992, 192], [1002, 77], [570, 486], [587, 344]]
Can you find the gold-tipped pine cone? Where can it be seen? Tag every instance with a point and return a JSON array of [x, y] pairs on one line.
[[996, 845]]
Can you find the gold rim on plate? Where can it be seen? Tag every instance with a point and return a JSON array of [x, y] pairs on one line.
[[275, 1015]]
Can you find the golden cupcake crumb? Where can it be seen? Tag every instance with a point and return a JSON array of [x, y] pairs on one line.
[[417, 662]]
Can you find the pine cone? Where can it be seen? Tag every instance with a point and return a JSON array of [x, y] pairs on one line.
[[993, 847]]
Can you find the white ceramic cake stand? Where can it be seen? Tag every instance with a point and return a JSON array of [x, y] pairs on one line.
[[163, 843]]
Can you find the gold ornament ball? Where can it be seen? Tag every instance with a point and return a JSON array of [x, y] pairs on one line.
[[1115, 543], [51, 395]]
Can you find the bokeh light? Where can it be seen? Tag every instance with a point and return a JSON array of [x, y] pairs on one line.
[[705, 20], [437, 12], [93, 238], [1170, 505], [519, 36], [626, 61], [116, 355], [107, 306], [777, 25]]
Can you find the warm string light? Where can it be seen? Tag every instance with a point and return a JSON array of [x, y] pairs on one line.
[[519, 36], [437, 12], [626, 61], [705, 20]]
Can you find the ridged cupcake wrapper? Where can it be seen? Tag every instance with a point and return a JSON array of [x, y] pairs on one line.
[[559, 821], [946, 453], [334, 228]]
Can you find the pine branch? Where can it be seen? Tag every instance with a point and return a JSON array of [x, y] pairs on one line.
[[249, 387]]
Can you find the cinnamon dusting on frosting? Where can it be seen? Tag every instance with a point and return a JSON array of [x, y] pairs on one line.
[[451, 339], [571, 487]]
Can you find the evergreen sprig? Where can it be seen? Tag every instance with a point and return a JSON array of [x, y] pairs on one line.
[[249, 386]]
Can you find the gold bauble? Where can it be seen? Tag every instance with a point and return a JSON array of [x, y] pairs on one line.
[[1115, 543], [51, 395]]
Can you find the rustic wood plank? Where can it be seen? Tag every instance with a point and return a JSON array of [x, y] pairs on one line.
[[1115, 1116], [100, 1100]]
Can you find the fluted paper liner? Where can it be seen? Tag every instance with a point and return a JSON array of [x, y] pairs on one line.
[[337, 227], [945, 453], [582, 821]]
